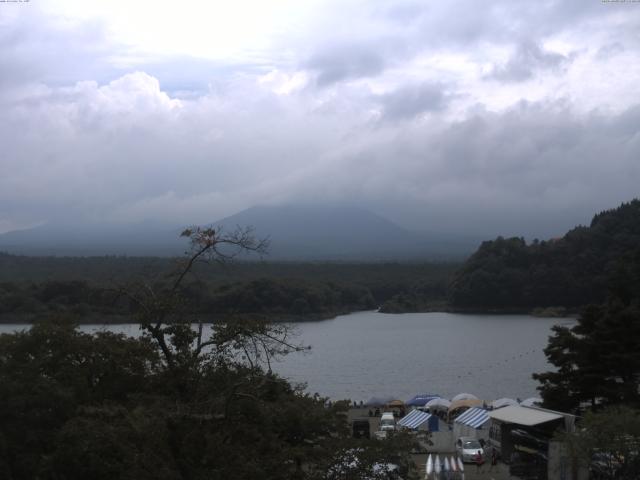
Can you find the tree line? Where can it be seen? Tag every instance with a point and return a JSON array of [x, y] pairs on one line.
[[572, 271], [31, 286], [596, 375], [596, 362], [286, 299]]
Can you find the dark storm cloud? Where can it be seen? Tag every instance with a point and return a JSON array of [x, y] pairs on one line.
[[528, 60]]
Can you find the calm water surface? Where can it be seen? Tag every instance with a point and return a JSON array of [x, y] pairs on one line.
[[364, 354], [367, 354]]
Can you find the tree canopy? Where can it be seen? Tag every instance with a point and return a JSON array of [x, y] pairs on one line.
[[171, 403], [572, 271], [607, 443], [598, 359]]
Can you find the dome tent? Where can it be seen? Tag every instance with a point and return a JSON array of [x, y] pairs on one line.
[[438, 404], [464, 396], [458, 406], [421, 399]]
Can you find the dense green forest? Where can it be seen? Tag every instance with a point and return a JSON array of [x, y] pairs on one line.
[[596, 375], [597, 360], [104, 406], [172, 403], [90, 287], [279, 299], [572, 271], [506, 274]]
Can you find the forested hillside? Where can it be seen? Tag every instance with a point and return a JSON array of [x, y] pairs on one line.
[[277, 299], [571, 271], [88, 286]]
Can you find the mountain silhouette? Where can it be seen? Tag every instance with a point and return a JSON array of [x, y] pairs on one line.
[[296, 232]]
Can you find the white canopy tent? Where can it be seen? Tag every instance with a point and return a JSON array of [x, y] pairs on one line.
[[524, 415], [438, 404], [464, 396]]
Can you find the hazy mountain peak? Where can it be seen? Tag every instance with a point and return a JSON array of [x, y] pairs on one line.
[[296, 232]]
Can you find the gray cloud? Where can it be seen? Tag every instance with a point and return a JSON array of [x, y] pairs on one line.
[[461, 22], [344, 62], [128, 151], [191, 140], [610, 50], [534, 170], [36, 49], [528, 60], [391, 34], [410, 101]]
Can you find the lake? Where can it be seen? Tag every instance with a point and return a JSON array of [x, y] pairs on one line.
[[367, 354]]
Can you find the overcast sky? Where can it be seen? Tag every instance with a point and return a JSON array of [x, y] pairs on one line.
[[494, 117]]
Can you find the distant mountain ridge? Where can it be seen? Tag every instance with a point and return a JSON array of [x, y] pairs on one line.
[[572, 271], [321, 233], [297, 232]]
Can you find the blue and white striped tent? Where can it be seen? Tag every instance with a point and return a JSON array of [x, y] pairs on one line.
[[471, 423], [416, 419], [474, 417]]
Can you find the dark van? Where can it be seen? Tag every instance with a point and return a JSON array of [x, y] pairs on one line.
[[361, 429]]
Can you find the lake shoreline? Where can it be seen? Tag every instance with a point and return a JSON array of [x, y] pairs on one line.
[[119, 319], [207, 319], [546, 312]]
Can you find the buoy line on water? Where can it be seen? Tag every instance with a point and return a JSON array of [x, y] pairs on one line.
[[491, 366]]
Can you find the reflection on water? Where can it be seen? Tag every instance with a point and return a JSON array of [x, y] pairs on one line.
[[369, 354]]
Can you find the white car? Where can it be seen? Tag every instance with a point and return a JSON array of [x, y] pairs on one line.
[[467, 448], [387, 422]]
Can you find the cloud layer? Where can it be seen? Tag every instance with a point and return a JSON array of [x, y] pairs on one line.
[[503, 119]]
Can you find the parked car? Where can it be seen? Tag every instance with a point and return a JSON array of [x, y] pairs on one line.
[[387, 421], [467, 449]]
